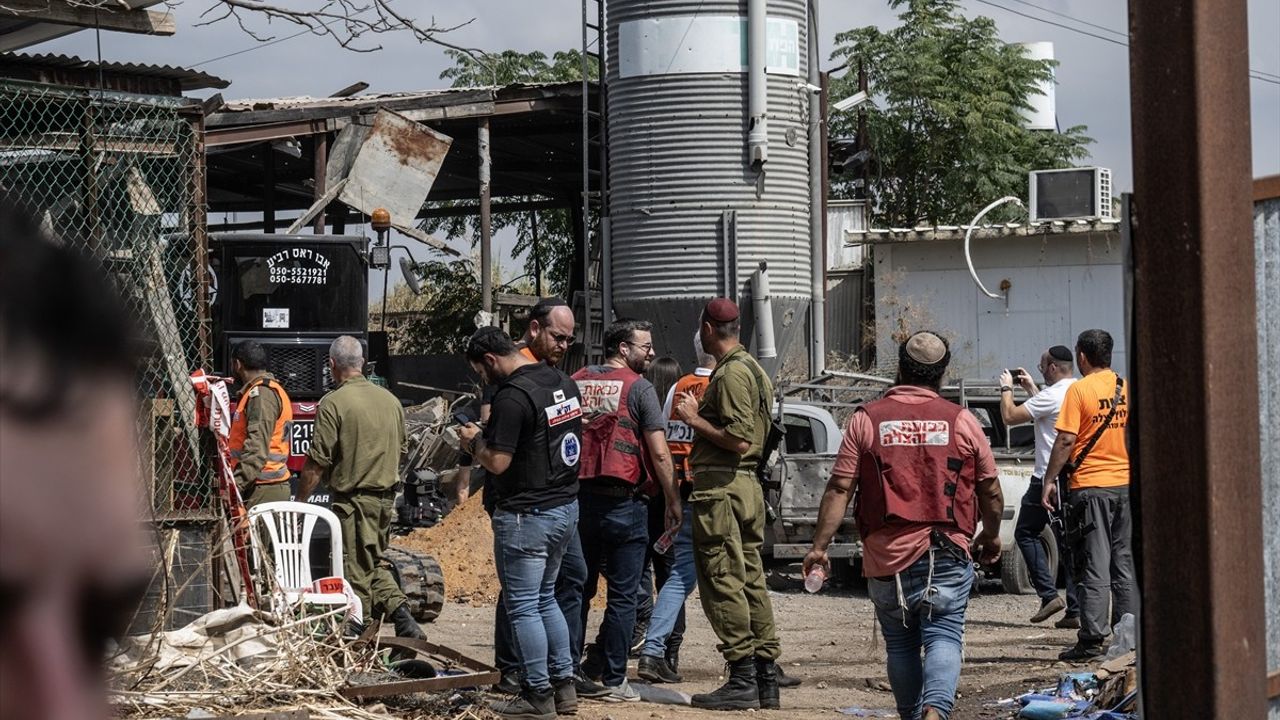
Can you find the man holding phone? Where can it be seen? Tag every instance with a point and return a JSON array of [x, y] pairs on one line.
[[1041, 408]]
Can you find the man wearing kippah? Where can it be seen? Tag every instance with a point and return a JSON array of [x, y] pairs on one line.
[[924, 474], [730, 425], [1042, 408]]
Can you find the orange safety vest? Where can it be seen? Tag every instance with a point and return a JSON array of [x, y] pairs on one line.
[[276, 469], [679, 434]]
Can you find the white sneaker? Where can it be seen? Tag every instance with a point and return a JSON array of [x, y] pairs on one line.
[[620, 693]]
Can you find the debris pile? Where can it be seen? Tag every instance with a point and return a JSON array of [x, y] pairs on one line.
[[239, 659], [1108, 693]]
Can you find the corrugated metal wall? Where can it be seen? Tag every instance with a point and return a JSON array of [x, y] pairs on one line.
[[1266, 233], [1059, 286], [846, 312]]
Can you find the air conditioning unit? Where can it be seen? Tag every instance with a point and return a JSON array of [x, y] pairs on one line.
[[1070, 194]]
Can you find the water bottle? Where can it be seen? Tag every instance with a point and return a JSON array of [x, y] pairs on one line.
[[813, 581], [663, 544]]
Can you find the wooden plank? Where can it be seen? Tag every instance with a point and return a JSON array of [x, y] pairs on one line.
[[106, 17], [1266, 188], [426, 239], [316, 208]]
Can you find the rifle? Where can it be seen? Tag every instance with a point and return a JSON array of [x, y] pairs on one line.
[[1070, 520]]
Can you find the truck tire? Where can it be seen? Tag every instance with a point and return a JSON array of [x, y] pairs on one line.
[[420, 579], [1013, 569]]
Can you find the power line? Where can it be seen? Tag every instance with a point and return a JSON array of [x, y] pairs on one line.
[[259, 46], [1259, 75], [1068, 17]]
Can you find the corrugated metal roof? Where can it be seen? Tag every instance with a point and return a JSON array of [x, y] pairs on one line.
[[310, 101], [188, 79], [956, 232]]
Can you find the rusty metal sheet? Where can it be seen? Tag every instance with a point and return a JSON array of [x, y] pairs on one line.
[[479, 673], [395, 167]]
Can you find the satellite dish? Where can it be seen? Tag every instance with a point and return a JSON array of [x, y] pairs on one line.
[[410, 272]]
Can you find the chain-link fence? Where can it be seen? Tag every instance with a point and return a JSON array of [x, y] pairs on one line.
[[122, 177]]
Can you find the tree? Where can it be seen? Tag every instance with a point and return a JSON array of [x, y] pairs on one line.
[[947, 124], [350, 23], [440, 319], [555, 251]]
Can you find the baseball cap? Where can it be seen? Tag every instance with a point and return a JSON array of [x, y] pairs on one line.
[[721, 310]]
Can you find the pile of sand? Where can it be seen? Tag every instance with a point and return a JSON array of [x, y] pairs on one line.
[[463, 545]]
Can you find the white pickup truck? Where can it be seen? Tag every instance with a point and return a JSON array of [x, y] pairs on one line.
[[799, 476]]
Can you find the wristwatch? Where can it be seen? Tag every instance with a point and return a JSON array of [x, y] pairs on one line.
[[1006, 389]]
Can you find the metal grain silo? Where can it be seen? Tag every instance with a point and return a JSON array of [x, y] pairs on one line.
[[691, 216]]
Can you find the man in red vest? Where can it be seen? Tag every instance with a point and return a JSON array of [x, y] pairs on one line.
[[624, 462], [923, 473], [259, 438]]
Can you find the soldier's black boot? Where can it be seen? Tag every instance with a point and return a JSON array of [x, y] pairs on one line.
[[405, 625], [739, 691], [767, 683]]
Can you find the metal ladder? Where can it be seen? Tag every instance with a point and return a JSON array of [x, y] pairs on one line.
[[595, 204]]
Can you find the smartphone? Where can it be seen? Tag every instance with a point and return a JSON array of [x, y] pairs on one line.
[[462, 418], [1016, 375]]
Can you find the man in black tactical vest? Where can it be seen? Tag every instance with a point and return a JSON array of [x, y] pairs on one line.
[[531, 445]]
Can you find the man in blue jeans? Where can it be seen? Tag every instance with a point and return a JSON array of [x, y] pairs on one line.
[[531, 447], [923, 473], [624, 450], [1041, 408]]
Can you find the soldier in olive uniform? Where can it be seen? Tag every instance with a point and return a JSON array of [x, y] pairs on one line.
[[259, 440], [727, 503], [358, 438]]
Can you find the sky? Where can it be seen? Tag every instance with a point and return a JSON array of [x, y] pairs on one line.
[[1092, 78]]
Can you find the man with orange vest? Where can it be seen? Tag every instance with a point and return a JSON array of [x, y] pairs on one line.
[[259, 439], [624, 450], [923, 475], [660, 657]]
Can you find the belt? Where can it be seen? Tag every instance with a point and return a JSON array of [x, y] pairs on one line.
[[720, 469], [609, 490], [937, 541], [387, 492]]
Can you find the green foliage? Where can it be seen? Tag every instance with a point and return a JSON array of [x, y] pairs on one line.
[[509, 66], [442, 318], [947, 125], [555, 230]]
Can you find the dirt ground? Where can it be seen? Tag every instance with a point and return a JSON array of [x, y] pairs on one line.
[[828, 641]]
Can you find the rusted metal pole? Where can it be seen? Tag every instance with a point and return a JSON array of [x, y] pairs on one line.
[[486, 239], [320, 149], [1197, 478]]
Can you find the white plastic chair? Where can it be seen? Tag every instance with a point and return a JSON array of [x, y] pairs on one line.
[[289, 526]]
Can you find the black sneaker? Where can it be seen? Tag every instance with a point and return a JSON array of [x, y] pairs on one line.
[[566, 697], [1081, 653], [656, 670], [528, 705], [1049, 608], [585, 688], [1070, 622]]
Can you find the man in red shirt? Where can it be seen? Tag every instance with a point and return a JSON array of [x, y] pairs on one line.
[[923, 473]]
